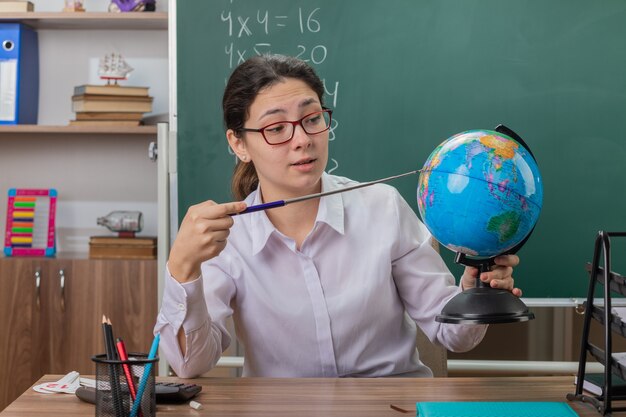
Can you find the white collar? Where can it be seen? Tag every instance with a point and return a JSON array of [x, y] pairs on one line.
[[331, 212]]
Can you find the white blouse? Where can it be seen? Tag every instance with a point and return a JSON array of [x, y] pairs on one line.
[[346, 304]]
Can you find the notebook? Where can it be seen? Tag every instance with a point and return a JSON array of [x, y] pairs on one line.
[[494, 409]]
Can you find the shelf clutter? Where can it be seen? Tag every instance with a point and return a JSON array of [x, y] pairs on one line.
[[113, 247], [110, 105], [73, 6], [16, 6], [611, 380], [594, 383]]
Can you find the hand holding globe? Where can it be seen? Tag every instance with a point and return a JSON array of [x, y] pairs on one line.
[[500, 275]]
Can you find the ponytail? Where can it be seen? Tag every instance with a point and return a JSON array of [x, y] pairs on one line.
[[244, 181]]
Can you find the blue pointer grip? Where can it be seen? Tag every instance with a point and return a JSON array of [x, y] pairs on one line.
[[260, 207]]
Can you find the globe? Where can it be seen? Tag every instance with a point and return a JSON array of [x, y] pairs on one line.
[[480, 193]]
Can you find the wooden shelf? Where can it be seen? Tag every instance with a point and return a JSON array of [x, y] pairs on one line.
[[89, 20], [78, 130]]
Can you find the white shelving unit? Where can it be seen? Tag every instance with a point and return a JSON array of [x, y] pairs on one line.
[[94, 169]]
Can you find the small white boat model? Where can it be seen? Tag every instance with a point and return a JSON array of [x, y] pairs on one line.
[[113, 67]]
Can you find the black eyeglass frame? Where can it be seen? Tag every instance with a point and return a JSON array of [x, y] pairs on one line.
[[294, 124]]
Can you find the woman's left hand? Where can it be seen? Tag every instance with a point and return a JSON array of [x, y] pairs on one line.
[[500, 276]]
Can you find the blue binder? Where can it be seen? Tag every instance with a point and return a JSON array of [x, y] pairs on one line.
[[19, 74]]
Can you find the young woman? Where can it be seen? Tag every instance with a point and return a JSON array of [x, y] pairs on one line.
[[327, 287]]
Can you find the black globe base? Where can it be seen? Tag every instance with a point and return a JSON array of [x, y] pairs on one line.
[[484, 305]]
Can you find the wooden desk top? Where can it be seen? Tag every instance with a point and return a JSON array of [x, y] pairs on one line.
[[265, 397]]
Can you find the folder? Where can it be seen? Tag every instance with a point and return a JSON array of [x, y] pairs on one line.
[[19, 74], [494, 409]]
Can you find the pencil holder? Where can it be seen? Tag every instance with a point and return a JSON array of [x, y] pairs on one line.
[[120, 383]]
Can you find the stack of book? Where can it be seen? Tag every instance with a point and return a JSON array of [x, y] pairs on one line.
[[112, 247], [110, 105]]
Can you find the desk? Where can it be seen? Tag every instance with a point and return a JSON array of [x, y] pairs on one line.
[[265, 397]]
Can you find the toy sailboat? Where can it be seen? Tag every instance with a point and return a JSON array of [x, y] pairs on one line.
[[113, 67]]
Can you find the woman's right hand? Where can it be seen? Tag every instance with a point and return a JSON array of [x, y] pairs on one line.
[[202, 235]]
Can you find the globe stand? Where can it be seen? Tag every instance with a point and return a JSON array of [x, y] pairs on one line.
[[483, 304]]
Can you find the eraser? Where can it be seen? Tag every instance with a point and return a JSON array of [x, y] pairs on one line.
[[195, 405]]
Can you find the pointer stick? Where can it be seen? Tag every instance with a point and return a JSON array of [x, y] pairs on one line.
[[281, 203]]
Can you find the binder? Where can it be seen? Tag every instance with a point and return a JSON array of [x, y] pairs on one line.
[[494, 409], [19, 74]]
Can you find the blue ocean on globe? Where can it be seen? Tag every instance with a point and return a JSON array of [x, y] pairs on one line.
[[480, 193]]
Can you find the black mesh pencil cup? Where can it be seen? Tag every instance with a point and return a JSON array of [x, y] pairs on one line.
[[118, 382]]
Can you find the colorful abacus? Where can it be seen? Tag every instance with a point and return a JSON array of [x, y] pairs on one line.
[[30, 222]]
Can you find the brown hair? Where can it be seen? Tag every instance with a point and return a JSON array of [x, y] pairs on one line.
[[244, 84]]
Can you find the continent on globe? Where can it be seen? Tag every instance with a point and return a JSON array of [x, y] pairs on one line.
[[505, 225]]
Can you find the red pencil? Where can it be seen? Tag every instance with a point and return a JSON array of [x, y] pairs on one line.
[[121, 350]]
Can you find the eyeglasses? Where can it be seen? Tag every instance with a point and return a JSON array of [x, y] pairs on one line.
[[282, 132]]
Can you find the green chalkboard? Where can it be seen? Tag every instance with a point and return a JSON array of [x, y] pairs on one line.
[[403, 75]]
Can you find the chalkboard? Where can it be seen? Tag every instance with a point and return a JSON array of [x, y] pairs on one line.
[[404, 75]]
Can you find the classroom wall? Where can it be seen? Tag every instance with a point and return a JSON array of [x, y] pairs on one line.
[[98, 174]]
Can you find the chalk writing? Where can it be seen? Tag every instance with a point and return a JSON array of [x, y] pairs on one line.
[[331, 132], [312, 24], [254, 30], [334, 161], [312, 55]]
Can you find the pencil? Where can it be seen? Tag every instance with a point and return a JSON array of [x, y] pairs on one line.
[[113, 373], [121, 349], [146, 375], [105, 336], [111, 341]]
